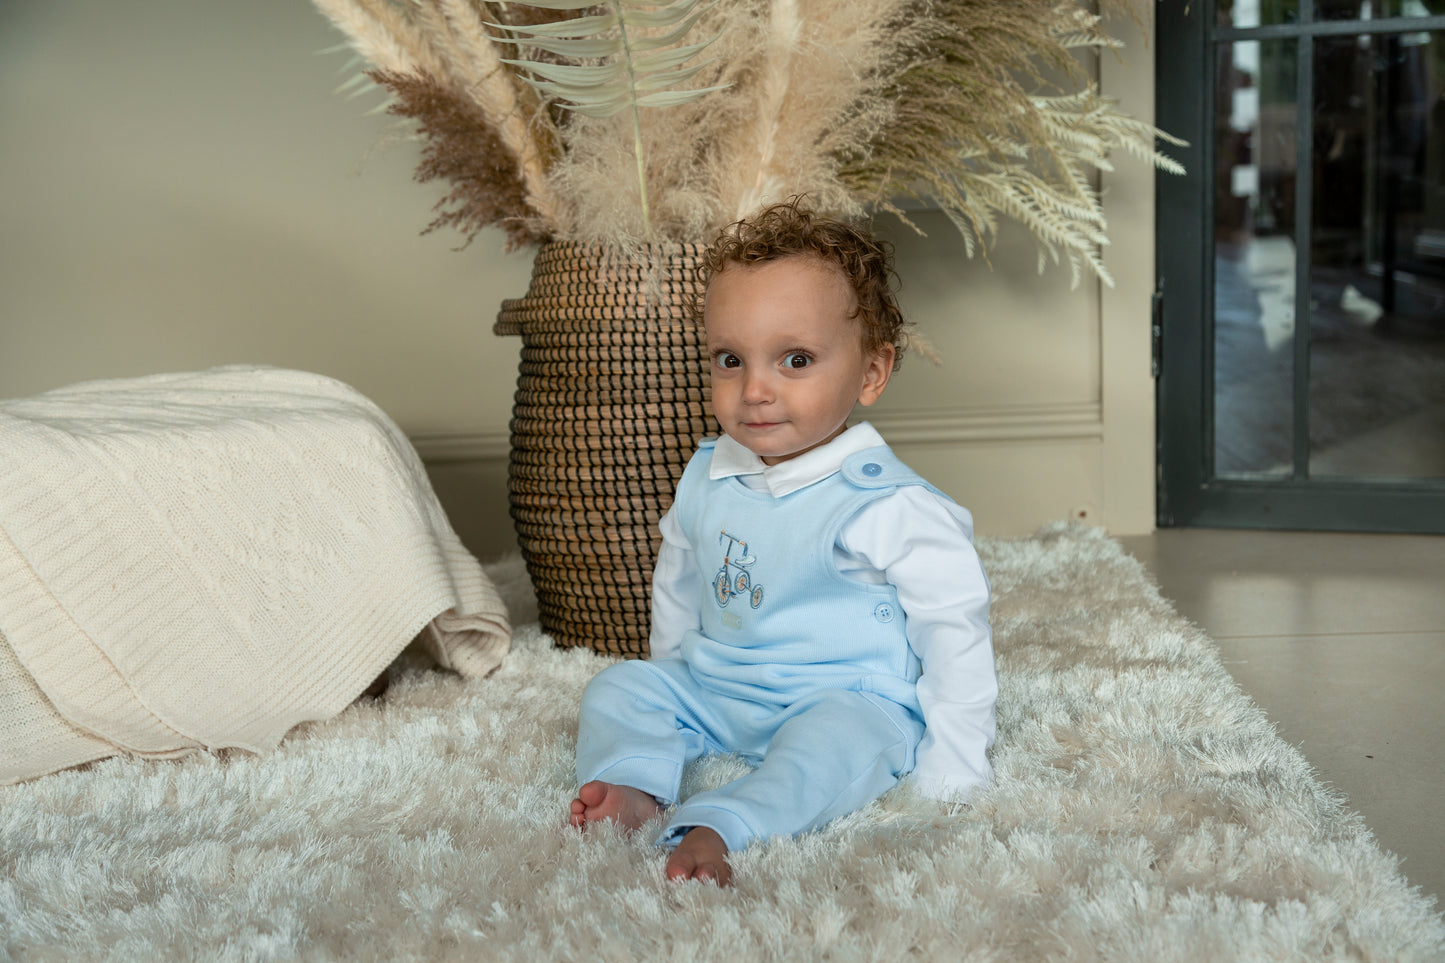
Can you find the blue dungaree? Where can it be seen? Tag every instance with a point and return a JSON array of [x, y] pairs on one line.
[[805, 673]]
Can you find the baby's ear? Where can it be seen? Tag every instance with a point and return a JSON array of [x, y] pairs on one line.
[[876, 375]]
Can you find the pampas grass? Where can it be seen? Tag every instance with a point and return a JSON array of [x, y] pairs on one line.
[[475, 116], [382, 36], [761, 176], [983, 108], [460, 147], [818, 92]]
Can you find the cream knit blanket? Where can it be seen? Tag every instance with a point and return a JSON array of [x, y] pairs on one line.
[[205, 560]]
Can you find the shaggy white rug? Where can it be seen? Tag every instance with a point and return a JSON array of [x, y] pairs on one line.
[[1143, 810]]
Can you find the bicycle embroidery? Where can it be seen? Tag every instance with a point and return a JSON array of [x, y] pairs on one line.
[[733, 578]]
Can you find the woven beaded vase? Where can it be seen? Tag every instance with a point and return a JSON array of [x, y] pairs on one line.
[[611, 402]]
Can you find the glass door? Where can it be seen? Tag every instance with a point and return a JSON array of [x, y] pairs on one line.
[[1302, 265]]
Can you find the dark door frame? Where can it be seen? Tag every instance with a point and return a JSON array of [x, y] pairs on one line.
[[1188, 492]]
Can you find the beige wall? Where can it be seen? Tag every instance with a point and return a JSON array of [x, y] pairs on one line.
[[181, 188]]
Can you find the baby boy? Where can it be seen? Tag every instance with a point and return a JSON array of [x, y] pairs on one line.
[[818, 608]]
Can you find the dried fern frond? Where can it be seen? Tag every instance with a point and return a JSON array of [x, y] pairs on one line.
[[638, 63], [678, 147], [968, 136], [641, 63]]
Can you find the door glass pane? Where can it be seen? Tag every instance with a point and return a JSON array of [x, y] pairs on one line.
[[1255, 13], [1376, 9], [1254, 258], [1377, 283]]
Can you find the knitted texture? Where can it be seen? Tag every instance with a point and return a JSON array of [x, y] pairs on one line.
[[205, 560]]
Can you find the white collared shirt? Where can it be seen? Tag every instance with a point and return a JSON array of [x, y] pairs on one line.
[[910, 539], [732, 460]]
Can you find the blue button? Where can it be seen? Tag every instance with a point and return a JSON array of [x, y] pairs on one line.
[[872, 469], [884, 612]]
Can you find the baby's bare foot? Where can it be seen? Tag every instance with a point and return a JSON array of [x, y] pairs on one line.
[[627, 807], [701, 855]]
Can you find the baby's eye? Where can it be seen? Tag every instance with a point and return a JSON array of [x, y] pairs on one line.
[[726, 359], [797, 359]]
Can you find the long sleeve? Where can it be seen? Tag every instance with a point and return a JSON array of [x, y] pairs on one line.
[[927, 553], [675, 591]]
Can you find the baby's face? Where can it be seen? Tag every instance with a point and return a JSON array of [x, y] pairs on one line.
[[788, 361]]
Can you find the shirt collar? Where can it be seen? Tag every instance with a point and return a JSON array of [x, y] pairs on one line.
[[732, 460]]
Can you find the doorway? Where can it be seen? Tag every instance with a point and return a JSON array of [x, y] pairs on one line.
[[1301, 304]]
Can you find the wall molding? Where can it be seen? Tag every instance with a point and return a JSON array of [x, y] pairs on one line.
[[941, 426], [955, 426], [494, 445]]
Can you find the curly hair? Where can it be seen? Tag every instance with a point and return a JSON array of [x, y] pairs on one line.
[[790, 230]]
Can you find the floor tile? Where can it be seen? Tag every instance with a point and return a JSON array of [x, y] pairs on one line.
[[1248, 583]]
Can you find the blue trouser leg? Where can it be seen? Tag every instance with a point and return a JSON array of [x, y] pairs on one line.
[[832, 754], [640, 723]]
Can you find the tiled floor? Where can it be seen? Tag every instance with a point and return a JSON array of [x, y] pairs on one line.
[[1341, 640]]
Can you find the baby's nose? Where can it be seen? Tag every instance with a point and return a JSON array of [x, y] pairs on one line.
[[757, 388]]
